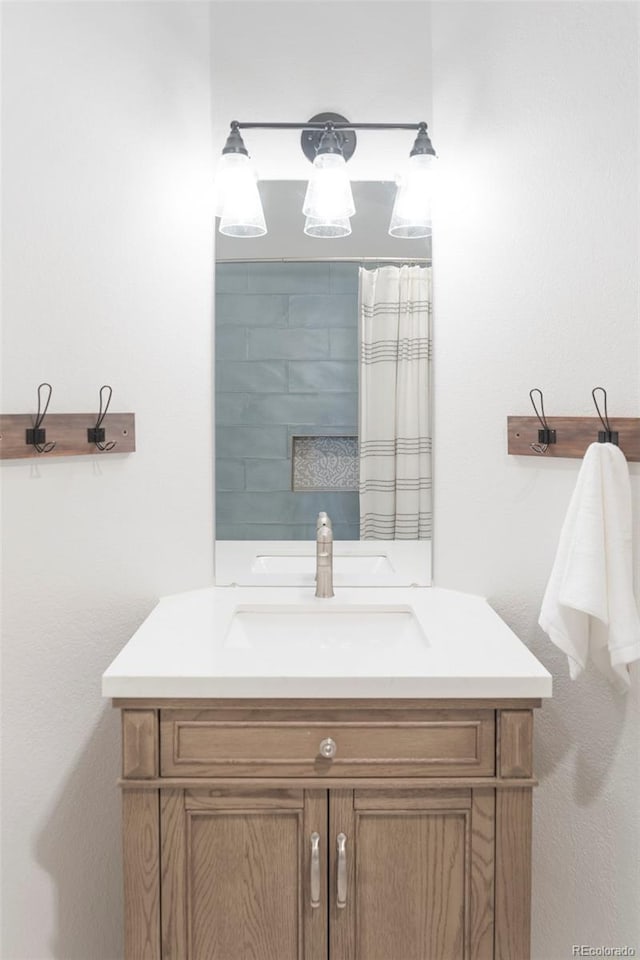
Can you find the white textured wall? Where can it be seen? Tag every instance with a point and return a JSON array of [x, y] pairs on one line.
[[536, 273], [107, 277], [107, 254]]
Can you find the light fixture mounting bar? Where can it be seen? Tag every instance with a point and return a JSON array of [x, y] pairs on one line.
[[327, 124], [337, 125]]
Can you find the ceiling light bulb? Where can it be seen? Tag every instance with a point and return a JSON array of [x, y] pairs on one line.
[[237, 199], [241, 208], [329, 191], [232, 168], [329, 197], [411, 216]]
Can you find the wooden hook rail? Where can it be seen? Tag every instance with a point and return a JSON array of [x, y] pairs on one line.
[[69, 432], [573, 436]]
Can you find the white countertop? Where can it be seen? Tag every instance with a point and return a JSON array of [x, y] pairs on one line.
[[465, 650]]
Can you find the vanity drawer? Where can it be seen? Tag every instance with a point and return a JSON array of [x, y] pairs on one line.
[[209, 743]]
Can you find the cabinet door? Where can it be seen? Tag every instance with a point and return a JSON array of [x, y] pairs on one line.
[[237, 870], [411, 874]]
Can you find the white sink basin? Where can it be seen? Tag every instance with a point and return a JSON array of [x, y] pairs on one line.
[[356, 629], [304, 565]]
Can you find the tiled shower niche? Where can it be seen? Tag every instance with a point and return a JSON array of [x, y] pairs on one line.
[[325, 463], [286, 370]]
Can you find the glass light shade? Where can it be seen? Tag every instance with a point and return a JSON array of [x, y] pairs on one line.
[[411, 215], [237, 198], [324, 228], [232, 171], [329, 196]]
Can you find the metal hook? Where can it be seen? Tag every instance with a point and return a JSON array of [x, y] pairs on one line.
[[546, 435], [607, 435], [36, 437], [97, 434]]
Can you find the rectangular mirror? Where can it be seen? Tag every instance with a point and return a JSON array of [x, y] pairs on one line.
[[323, 396]]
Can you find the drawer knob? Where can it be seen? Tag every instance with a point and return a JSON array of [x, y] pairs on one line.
[[328, 748]]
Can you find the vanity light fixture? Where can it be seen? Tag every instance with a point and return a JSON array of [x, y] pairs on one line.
[[328, 202], [238, 202], [328, 140], [411, 215]]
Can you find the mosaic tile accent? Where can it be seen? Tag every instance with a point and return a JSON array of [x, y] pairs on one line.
[[325, 463]]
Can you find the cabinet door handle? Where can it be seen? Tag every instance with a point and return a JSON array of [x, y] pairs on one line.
[[341, 899], [315, 870]]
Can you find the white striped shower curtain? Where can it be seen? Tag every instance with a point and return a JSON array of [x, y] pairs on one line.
[[394, 427]]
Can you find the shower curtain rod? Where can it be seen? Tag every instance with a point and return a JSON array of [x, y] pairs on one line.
[[323, 259]]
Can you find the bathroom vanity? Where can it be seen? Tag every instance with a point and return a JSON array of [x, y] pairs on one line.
[[348, 799]]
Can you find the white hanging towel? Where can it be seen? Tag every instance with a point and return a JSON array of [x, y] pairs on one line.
[[588, 608]]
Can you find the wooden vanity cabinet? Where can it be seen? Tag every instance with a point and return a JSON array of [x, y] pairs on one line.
[[242, 841]]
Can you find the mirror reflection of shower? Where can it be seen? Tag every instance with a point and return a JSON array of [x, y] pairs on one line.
[[323, 378]]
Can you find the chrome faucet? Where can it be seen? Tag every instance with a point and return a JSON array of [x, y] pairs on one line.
[[324, 556]]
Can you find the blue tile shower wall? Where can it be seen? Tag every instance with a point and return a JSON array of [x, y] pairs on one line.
[[286, 364]]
